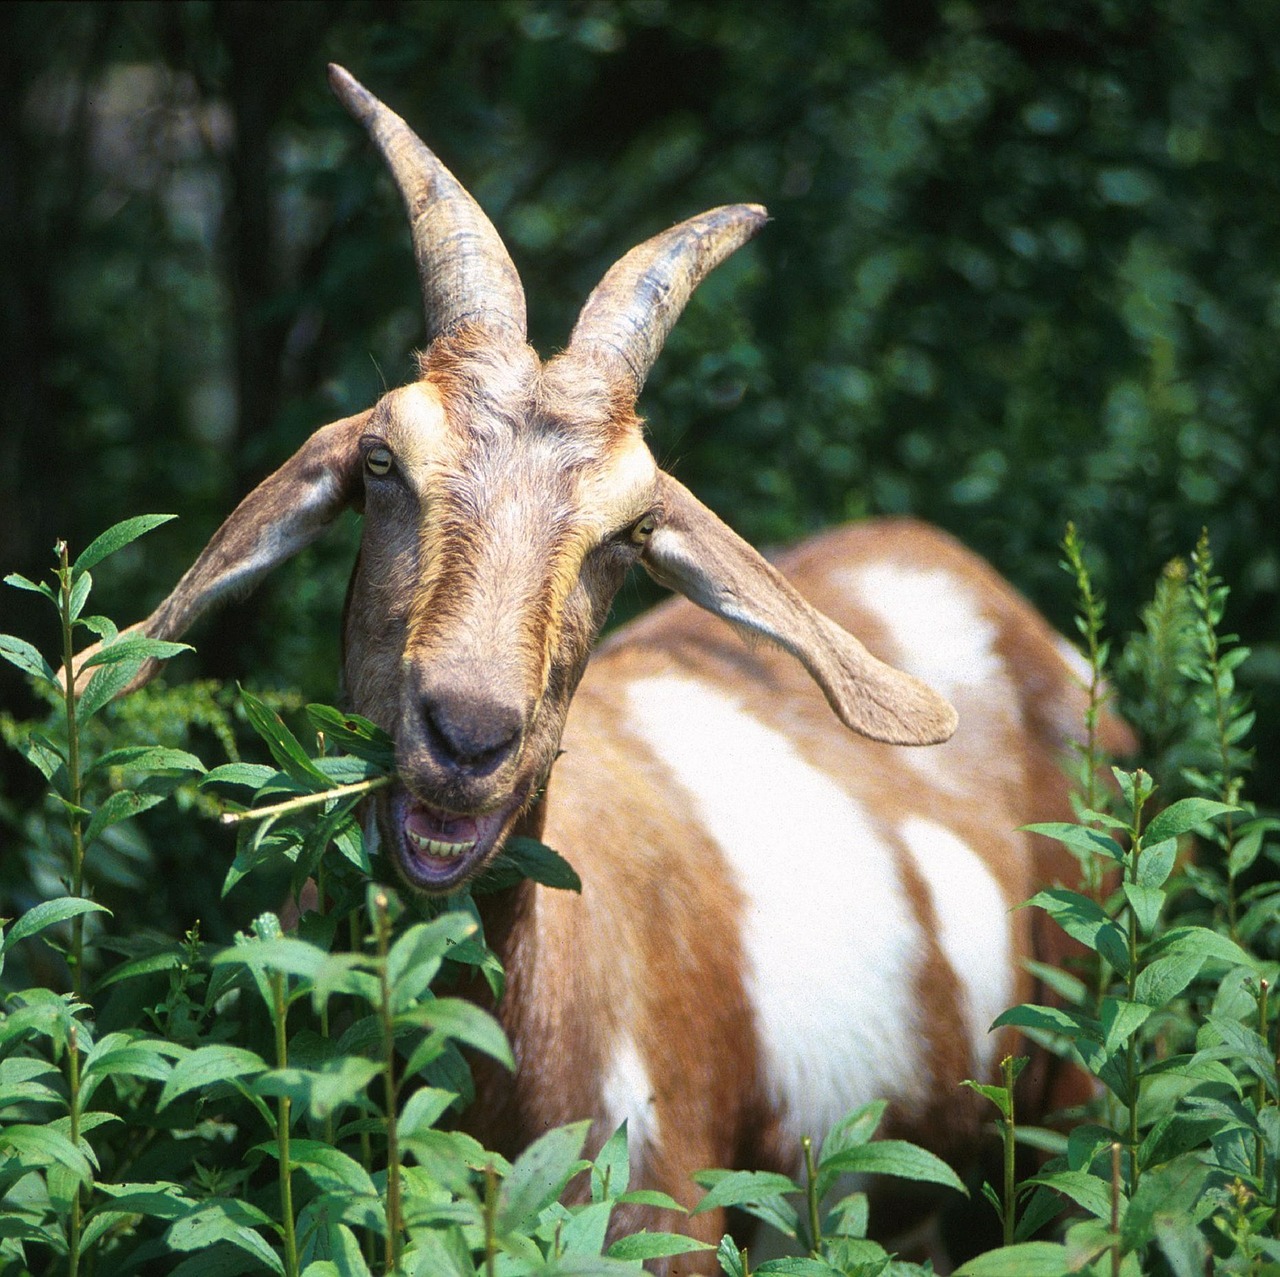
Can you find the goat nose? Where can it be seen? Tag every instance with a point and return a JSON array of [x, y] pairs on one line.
[[468, 732]]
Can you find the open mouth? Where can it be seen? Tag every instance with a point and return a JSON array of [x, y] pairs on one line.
[[438, 850]]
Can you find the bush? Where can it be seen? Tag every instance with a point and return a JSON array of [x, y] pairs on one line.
[[283, 1102]]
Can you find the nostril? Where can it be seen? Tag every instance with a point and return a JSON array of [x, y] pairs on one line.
[[469, 732]]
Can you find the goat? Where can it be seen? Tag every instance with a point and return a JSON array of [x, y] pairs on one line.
[[782, 914]]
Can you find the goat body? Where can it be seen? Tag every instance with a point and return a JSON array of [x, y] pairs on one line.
[[781, 920], [783, 912]]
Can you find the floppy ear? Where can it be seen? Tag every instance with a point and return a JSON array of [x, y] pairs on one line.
[[281, 516], [693, 552]]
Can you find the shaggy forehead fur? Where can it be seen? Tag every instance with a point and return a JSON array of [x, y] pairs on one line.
[[519, 470]]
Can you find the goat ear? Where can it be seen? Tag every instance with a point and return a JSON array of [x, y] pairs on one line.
[[281, 516], [693, 552]]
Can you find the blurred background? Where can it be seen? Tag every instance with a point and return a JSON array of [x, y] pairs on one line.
[[1024, 268]]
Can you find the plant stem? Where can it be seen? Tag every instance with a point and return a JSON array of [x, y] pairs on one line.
[[284, 1106], [1142, 790], [490, 1221], [306, 800], [811, 1194], [1115, 1210], [73, 1087], [74, 779], [1010, 1134], [1260, 1088], [382, 927]]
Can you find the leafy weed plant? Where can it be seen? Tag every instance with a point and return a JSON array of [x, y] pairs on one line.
[[286, 1103]]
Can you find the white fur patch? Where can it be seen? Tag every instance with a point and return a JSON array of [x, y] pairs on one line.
[[971, 914], [937, 625], [830, 941], [1075, 660], [628, 1096]]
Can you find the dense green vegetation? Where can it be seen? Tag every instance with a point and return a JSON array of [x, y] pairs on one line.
[[1024, 270]]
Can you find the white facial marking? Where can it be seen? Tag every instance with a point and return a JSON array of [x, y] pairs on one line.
[[628, 1096], [937, 625], [972, 927], [830, 942]]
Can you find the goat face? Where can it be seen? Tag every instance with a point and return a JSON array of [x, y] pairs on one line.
[[504, 502]]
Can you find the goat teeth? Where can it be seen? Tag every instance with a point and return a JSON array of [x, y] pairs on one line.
[[434, 847]]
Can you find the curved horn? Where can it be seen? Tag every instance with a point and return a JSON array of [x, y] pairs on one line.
[[465, 270], [633, 308]]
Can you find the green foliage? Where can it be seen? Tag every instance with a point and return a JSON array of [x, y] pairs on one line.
[[1022, 269], [1179, 1171], [284, 1101], [276, 1103]]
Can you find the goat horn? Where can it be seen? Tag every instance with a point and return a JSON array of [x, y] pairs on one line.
[[465, 269], [633, 308]]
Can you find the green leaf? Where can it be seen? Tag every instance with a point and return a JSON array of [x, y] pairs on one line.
[[206, 1066], [330, 1169], [20, 582], [116, 538], [334, 1085], [1120, 1021], [149, 758], [1172, 1189], [1056, 1019], [354, 735], [741, 1188], [121, 1055], [797, 1266], [522, 858], [1209, 945], [1084, 920], [79, 593], [46, 1146], [1026, 1259], [1161, 980], [285, 954], [642, 1246], [651, 1197], [1079, 838], [1246, 1046], [1183, 816], [22, 654], [252, 775], [1146, 903], [1184, 1246], [730, 1257], [1175, 1134], [539, 1175], [463, 1022], [160, 1200], [1156, 862], [106, 684], [1086, 1190], [611, 1173], [124, 804], [282, 743], [998, 1095], [48, 914], [896, 1157], [416, 957], [424, 1108], [852, 1130], [225, 1220]]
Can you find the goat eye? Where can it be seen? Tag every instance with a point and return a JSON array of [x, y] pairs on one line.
[[378, 460], [643, 530]]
